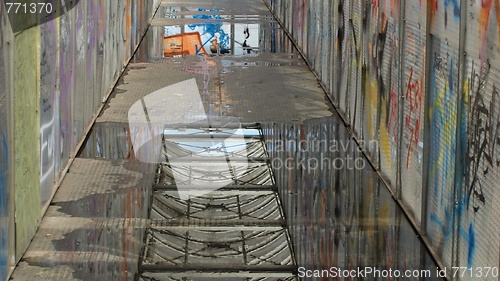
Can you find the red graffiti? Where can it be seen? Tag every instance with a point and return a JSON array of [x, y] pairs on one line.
[[393, 114], [484, 19], [414, 96]]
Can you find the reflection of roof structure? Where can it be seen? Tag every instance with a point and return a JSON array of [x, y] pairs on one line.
[[236, 232]]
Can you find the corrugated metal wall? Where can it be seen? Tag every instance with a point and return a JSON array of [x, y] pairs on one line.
[[53, 81], [338, 211], [421, 79]]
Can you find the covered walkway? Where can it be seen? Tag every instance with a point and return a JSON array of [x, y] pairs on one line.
[[261, 140]]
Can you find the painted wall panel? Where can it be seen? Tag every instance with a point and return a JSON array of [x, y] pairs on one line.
[[80, 94], [443, 119], [479, 204], [356, 98], [6, 214], [341, 217], [445, 20], [67, 76], [344, 60], [26, 136], [433, 114], [388, 64], [412, 143], [62, 71], [48, 109], [483, 31]]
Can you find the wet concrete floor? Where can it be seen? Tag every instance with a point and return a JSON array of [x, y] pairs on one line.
[[178, 178]]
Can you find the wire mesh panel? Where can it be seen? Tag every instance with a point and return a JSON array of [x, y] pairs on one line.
[[478, 241], [6, 215], [478, 230], [345, 216], [355, 97], [326, 46], [443, 119], [344, 59], [411, 158], [388, 64], [398, 79]]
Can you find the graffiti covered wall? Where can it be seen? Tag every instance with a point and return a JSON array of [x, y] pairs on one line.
[[6, 221], [338, 215], [62, 70], [395, 72]]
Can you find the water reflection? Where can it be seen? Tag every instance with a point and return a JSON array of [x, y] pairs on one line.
[[340, 214], [95, 226]]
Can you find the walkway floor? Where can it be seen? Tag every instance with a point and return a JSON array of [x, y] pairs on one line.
[[135, 205]]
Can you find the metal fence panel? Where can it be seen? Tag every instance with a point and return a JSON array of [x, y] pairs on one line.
[[443, 118], [389, 78], [411, 158], [6, 148]]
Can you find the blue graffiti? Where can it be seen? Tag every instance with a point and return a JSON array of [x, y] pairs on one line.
[[212, 29], [456, 7], [3, 207], [472, 245], [456, 10], [3, 253]]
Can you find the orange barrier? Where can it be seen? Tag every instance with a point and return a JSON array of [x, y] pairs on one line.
[[183, 44]]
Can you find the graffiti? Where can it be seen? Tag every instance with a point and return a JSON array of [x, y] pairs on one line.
[[4, 218], [485, 18], [219, 38], [351, 229], [414, 96], [392, 120], [483, 138]]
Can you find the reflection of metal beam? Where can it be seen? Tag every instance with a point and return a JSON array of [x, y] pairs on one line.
[[223, 193], [213, 125], [216, 160], [225, 188], [217, 268], [223, 228], [232, 36], [218, 223], [229, 137]]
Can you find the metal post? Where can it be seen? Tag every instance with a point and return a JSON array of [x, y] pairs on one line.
[[461, 147]]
